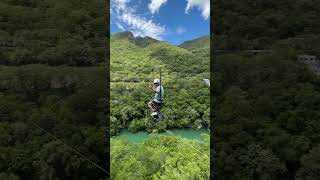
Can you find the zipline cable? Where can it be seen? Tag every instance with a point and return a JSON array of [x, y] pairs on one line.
[[73, 149]]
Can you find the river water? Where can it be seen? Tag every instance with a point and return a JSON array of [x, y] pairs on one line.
[[139, 137]]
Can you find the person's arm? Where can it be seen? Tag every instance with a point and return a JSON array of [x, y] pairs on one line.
[[153, 88]]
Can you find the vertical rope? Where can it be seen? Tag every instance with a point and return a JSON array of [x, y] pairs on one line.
[[160, 86]]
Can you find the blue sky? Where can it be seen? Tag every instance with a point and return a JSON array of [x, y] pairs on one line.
[[174, 21]]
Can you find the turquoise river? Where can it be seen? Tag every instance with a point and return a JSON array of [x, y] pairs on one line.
[[139, 137]]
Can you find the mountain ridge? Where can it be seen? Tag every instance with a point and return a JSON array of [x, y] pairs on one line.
[[138, 40], [199, 42]]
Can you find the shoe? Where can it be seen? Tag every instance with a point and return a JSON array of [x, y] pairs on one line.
[[154, 113]]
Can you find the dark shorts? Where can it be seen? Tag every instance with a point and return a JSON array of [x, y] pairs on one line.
[[158, 105]]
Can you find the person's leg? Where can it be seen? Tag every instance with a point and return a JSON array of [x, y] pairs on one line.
[[159, 105], [150, 104], [156, 107]]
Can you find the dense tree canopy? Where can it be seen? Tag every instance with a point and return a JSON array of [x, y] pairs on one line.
[[259, 24], [64, 101], [266, 109], [51, 107], [160, 157], [52, 32], [266, 116]]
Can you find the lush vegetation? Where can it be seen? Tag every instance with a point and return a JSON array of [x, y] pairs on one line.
[[266, 110], [267, 116], [160, 157], [248, 24], [67, 102], [199, 43], [135, 62], [52, 32], [134, 67], [49, 106]]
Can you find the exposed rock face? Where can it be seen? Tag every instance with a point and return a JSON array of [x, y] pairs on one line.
[[312, 63], [40, 83], [65, 81], [55, 83]]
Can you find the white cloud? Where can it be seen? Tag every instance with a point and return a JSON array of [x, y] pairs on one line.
[[120, 26], [126, 18], [155, 5], [202, 5], [180, 30]]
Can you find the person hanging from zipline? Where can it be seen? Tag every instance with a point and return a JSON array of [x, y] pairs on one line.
[[156, 103]]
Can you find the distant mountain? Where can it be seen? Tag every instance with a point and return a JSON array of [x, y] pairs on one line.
[[198, 43], [123, 35], [145, 41], [142, 52], [202, 42], [139, 41]]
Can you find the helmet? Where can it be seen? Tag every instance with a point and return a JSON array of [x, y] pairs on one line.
[[156, 81]]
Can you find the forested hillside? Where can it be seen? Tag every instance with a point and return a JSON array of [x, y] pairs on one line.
[[199, 43], [52, 89], [134, 67], [52, 32], [266, 113], [135, 62], [247, 24]]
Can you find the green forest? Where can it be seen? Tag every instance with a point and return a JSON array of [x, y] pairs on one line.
[[133, 67], [266, 110], [160, 157], [52, 89], [135, 62]]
